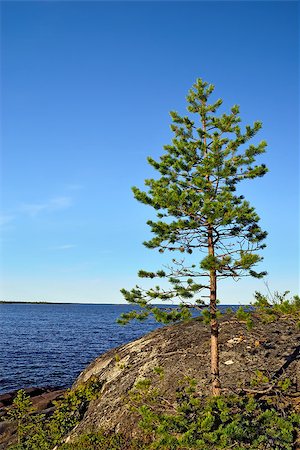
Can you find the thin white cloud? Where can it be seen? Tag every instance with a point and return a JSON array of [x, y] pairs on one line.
[[63, 247], [32, 209], [52, 205], [59, 203], [5, 219]]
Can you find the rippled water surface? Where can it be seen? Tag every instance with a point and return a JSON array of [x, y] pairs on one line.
[[49, 345]]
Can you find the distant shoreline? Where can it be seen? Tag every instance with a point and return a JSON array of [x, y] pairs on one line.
[[12, 302], [35, 303], [20, 302]]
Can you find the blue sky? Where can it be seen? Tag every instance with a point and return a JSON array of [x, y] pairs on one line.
[[86, 92]]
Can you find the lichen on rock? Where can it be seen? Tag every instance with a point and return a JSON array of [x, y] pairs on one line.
[[180, 351]]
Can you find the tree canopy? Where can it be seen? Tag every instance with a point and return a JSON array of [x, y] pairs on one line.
[[200, 214]]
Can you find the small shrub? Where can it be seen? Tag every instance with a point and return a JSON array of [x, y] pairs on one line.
[[273, 306], [35, 432], [214, 423], [101, 441], [246, 316]]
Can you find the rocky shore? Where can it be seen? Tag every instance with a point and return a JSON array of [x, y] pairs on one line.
[[183, 350], [177, 351]]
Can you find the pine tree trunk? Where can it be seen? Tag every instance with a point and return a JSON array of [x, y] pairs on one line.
[[214, 326], [214, 336]]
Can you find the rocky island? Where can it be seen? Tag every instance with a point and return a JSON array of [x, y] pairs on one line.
[[180, 351]]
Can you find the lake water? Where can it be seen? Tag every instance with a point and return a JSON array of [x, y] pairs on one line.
[[49, 345]]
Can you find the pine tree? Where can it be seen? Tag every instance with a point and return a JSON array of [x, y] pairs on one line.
[[199, 210]]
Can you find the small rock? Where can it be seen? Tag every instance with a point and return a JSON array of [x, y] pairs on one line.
[[235, 340], [229, 362]]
